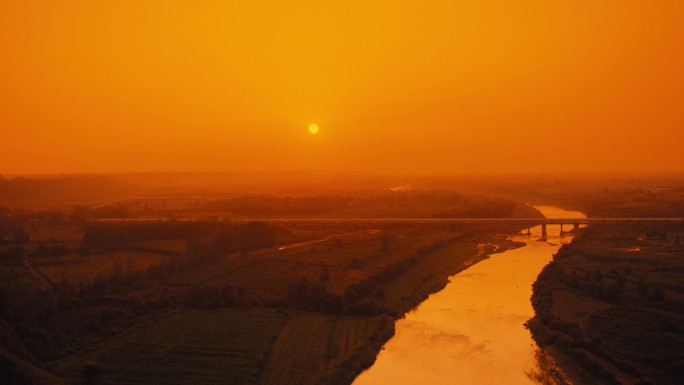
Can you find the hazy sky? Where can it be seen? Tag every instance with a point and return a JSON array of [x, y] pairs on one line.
[[402, 87]]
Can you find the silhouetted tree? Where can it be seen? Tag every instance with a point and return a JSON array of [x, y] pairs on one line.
[[21, 235], [385, 242], [325, 276], [3, 302], [8, 372], [91, 374]]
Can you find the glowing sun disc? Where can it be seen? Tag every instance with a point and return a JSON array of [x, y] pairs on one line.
[[313, 128]]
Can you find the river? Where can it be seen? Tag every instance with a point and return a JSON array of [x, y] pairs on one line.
[[472, 331]]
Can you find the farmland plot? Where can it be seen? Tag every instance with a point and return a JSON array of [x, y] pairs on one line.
[[76, 268], [226, 346], [311, 346]]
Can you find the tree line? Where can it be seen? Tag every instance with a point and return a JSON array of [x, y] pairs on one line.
[[201, 236], [455, 204]]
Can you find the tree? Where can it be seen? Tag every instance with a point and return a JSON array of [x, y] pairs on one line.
[[21, 235], [80, 213], [3, 302], [333, 305], [117, 273], [91, 374], [385, 241], [8, 371], [325, 276]]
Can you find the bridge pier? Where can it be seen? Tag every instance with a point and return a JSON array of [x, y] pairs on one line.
[[575, 226], [543, 229], [529, 231], [561, 229]]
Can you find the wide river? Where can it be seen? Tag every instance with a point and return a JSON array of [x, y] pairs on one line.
[[472, 331]]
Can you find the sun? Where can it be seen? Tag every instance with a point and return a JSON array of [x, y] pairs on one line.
[[313, 128]]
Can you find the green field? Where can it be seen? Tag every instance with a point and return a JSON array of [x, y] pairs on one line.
[[76, 269], [237, 346], [227, 346], [313, 347], [270, 271]]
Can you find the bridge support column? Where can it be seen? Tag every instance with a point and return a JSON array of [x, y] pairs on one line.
[[575, 226], [561, 229], [529, 232], [543, 229]]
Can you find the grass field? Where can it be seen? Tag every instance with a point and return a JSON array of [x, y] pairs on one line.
[[163, 246], [52, 232], [237, 346], [438, 266], [311, 347], [76, 268], [353, 258], [14, 370], [227, 346]]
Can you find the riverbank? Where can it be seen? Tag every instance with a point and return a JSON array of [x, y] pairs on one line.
[[609, 306], [430, 274], [471, 329], [316, 348]]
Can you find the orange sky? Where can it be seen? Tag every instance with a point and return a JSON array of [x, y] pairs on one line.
[[400, 87]]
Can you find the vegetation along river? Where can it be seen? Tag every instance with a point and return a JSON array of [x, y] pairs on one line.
[[472, 331]]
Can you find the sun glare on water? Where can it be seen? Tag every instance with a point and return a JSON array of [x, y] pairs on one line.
[[313, 128]]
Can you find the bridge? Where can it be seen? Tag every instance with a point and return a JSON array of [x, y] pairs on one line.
[[575, 222], [529, 222]]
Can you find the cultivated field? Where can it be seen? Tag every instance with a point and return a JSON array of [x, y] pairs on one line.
[[312, 347], [227, 346], [610, 304], [76, 269], [347, 258]]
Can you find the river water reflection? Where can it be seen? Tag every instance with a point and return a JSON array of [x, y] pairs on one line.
[[472, 331]]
